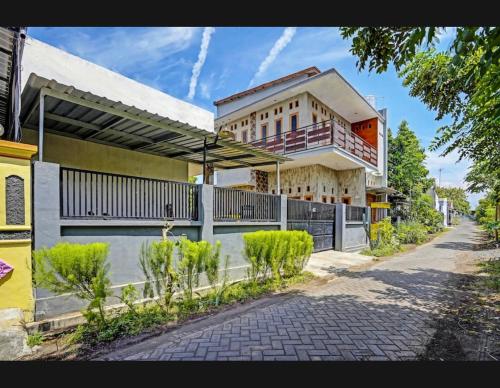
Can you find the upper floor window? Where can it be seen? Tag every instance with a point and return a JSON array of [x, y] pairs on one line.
[[290, 105], [293, 122], [281, 109], [235, 126], [267, 115], [242, 123], [315, 118], [244, 137], [264, 133], [275, 111], [277, 127], [262, 116], [246, 122], [297, 103], [312, 104]]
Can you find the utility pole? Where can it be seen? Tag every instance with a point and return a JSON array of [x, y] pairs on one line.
[[439, 182]]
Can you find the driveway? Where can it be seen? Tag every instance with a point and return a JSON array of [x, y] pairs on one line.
[[383, 313]]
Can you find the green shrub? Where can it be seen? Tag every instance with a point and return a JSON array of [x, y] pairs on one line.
[[386, 243], [35, 339], [411, 232], [157, 264], [282, 253], [213, 273], [193, 259], [80, 269]]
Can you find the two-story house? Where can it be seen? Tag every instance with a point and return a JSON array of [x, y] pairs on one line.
[[335, 137]]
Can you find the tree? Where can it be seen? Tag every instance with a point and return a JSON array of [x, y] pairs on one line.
[[406, 170], [463, 82], [457, 195]]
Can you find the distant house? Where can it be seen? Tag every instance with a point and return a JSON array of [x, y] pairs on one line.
[[442, 205]]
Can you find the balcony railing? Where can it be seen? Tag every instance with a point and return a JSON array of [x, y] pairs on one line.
[[98, 195], [318, 135]]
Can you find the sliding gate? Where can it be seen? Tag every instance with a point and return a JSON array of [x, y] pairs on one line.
[[314, 217]]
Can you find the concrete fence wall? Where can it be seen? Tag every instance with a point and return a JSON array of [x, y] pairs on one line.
[[126, 237]]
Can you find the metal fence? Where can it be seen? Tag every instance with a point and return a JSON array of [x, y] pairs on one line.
[[239, 205], [92, 194], [354, 213]]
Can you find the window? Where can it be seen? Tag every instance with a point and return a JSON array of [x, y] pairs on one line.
[[275, 111], [231, 127], [346, 200], [267, 115], [277, 128], [273, 191], [308, 197], [316, 106], [281, 109], [345, 190], [332, 199], [264, 133], [297, 103], [315, 118], [323, 198], [281, 191], [235, 126], [242, 123], [291, 105], [293, 122], [308, 188], [290, 190], [262, 117], [324, 189], [332, 190], [298, 189], [244, 137], [246, 122], [313, 104]]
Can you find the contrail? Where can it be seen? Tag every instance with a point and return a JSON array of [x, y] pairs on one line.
[[205, 41], [280, 44]]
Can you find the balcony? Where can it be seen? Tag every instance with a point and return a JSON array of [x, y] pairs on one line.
[[319, 135]]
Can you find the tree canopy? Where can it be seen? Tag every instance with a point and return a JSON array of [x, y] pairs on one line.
[[462, 82], [406, 169]]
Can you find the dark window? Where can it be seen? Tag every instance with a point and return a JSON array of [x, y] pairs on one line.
[[296, 103], [267, 115], [345, 190], [264, 133], [273, 191], [281, 109], [315, 118], [293, 122], [275, 111], [246, 122], [262, 117], [324, 189], [308, 188], [235, 126], [369, 125], [298, 189], [332, 190], [313, 104], [290, 190], [231, 127], [291, 105], [278, 128], [281, 191], [244, 137], [242, 123]]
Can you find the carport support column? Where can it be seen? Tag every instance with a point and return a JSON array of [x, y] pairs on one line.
[[41, 108], [283, 211], [207, 213], [340, 226]]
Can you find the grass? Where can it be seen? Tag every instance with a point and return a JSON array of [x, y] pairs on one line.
[[35, 339], [151, 315], [492, 269]]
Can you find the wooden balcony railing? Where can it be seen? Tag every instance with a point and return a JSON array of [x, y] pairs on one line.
[[317, 135]]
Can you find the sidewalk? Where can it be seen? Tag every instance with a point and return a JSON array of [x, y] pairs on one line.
[[331, 262]]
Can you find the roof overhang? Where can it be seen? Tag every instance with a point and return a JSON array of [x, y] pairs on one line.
[[329, 87], [380, 190], [78, 114]]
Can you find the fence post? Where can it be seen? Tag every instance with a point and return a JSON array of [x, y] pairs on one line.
[[206, 215], [340, 226], [283, 211]]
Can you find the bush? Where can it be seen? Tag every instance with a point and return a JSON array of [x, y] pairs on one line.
[[194, 258], [386, 243], [80, 269], [282, 253], [157, 264], [411, 232], [35, 339]]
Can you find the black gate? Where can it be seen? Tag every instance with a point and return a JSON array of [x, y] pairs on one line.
[[314, 217]]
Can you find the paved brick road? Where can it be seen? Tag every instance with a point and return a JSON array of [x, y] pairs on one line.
[[379, 314]]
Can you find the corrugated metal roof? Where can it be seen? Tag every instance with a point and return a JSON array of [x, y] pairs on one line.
[[6, 46], [88, 117]]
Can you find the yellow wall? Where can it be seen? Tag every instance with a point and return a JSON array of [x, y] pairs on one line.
[[16, 288], [87, 155]]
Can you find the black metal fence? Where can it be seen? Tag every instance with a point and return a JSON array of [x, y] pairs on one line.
[[239, 205], [317, 218], [92, 194], [354, 213]]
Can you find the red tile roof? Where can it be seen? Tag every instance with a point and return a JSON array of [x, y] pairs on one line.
[[310, 71]]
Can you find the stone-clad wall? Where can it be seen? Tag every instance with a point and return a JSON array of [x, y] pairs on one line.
[[322, 181]]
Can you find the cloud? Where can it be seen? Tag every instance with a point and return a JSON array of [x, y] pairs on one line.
[[205, 41], [279, 45]]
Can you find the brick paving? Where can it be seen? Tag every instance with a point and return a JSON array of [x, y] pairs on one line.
[[383, 313]]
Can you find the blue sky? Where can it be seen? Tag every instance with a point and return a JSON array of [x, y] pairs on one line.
[[201, 65]]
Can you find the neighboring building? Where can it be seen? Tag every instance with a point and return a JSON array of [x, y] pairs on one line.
[[442, 205], [335, 137]]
